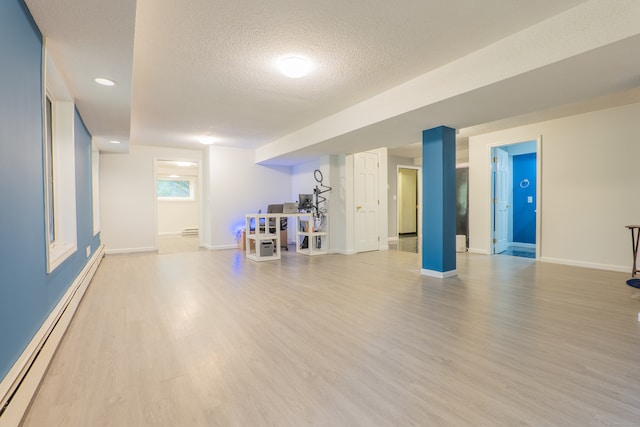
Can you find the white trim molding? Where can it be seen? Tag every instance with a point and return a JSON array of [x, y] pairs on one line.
[[219, 247], [608, 267], [130, 250]]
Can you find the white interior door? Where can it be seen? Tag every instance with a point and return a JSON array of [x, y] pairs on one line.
[[366, 198], [501, 200]]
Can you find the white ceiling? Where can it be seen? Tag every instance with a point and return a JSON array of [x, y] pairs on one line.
[[178, 169], [203, 67]]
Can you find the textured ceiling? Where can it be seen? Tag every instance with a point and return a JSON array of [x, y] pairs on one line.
[[200, 67], [208, 67]]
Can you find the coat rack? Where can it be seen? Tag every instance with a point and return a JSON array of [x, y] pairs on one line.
[[319, 190]]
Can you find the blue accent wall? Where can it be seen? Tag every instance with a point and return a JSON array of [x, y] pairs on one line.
[[439, 199], [524, 212], [27, 293]]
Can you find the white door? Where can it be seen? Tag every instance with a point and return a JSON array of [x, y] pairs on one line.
[[367, 237], [501, 200]]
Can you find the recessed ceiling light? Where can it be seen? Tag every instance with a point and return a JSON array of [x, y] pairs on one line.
[[184, 164], [104, 82], [206, 140], [114, 142], [294, 66]]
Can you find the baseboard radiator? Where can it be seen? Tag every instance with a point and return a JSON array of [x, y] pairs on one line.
[[190, 232], [19, 387]]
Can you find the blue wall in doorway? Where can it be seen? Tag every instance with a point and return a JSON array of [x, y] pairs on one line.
[[524, 198]]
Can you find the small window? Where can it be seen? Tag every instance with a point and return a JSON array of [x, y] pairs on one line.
[[49, 169], [95, 187], [58, 148], [174, 189]]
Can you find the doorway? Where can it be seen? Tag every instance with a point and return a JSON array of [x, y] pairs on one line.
[[177, 206], [408, 209], [514, 175]]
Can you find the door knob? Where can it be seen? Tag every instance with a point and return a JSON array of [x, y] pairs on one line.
[[359, 207]]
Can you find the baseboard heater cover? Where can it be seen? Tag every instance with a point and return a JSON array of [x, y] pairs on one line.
[[21, 383], [190, 232]]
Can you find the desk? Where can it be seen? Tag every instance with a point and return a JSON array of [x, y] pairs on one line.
[[635, 237], [317, 240]]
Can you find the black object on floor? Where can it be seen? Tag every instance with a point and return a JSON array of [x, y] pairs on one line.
[[634, 282]]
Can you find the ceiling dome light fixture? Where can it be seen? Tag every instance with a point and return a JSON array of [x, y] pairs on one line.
[[206, 140], [104, 81], [114, 142], [294, 66]]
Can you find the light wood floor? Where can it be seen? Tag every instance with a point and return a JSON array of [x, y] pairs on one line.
[[178, 244], [211, 339]]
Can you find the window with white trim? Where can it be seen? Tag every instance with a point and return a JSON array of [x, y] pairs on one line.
[[95, 187], [175, 189], [59, 167]]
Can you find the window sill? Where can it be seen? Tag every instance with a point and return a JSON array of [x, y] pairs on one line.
[[176, 199], [58, 253]]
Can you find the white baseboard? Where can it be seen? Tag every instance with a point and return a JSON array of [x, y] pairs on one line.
[[392, 239], [573, 263], [21, 383], [219, 247], [130, 250], [439, 274], [342, 252], [170, 234]]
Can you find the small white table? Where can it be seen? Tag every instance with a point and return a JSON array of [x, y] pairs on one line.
[[317, 239], [260, 235]]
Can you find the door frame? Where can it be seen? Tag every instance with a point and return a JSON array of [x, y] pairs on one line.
[[418, 201], [200, 206], [490, 148], [499, 240]]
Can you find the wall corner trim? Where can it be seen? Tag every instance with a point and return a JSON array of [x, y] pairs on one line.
[[21, 383]]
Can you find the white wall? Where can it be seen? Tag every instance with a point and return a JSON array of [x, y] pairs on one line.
[[337, 212], [127, 196], [302, 178], [589, 186], [176, 215], [237, 186]]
